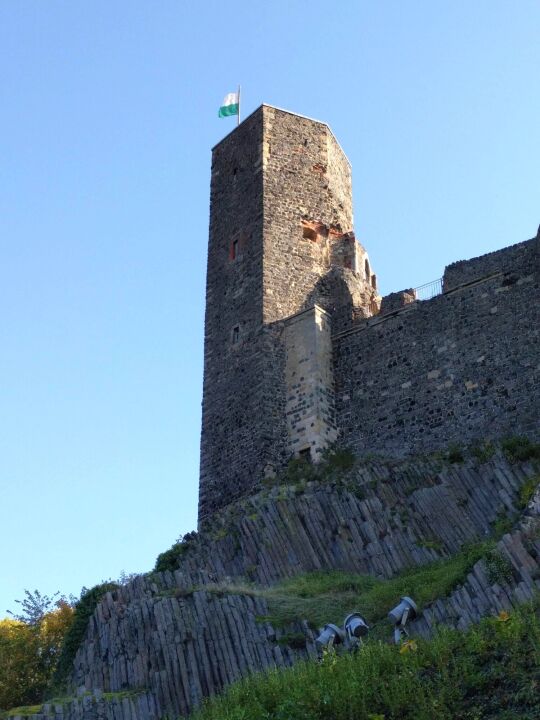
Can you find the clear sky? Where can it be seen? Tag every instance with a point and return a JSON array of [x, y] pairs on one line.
[[108, 112]]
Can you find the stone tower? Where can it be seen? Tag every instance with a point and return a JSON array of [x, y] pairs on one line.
[[284, 269]]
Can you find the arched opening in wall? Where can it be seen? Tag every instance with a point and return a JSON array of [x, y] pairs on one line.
[[367, 269], [374, 281], [309, 233]]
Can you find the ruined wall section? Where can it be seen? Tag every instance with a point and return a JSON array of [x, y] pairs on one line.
[[459, 367], [307, 211], [516, 257]]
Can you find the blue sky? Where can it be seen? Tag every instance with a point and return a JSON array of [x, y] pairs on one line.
[[108, 111]]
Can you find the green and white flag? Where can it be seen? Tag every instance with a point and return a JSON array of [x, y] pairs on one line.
[[230, 105]]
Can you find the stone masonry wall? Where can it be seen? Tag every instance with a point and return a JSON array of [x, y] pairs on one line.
[[280, 217], [464, 365], [309, 383]]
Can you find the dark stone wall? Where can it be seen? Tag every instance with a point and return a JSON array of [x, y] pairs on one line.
[[516, 257], [234, 345], [461, 366], [280, 213]]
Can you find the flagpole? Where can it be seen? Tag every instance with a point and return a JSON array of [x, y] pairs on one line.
[[238, 117]]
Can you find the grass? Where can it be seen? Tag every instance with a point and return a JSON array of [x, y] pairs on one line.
[[491, 672], [24, 711], [321, 597], [520, 449]]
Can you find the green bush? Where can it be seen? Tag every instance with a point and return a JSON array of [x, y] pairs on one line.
[[492, 671], [84, 609], [499, 569], [483, 452], [455, 454], [170, 559], [527, 490], [520, 449]]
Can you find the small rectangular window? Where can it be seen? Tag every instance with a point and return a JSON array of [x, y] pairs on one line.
[[234, 249], [235, 334], [305, 454]]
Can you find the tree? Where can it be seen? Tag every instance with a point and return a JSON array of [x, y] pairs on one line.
[[30, 645]]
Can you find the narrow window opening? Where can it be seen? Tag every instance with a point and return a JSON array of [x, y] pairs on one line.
[[368, 271], [374, 281], [234, 249], [235, 334], [305, 454]]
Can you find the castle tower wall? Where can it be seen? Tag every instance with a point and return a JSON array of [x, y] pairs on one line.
[[307, 208], [280, 226]]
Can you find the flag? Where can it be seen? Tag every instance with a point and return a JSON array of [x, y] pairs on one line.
[[230, 105]]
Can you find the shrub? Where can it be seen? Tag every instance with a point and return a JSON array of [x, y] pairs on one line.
[[455, 454], [527, 490], [84, 609], [483, 452], [520, 449], [498, 567], [170, 559]]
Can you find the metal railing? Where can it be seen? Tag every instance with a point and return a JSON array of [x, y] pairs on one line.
[[429, 290]]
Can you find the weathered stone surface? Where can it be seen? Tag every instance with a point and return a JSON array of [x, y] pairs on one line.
[[461, 367]]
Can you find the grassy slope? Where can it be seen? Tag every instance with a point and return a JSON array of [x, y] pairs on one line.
[[492, 671], [328, 596]]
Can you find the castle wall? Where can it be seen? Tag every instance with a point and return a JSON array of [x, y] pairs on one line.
[[309, 383], [516, 257], [461, 366]]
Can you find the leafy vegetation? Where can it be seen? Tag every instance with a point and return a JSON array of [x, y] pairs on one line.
[[30, 645], [482, 451], [455, 454], [328, 596], [74, 636], [169, 559], [519, 449], [499, 569], [527, 490], [491, 672]]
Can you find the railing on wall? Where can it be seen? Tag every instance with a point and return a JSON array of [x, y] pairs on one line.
[[429, 290]]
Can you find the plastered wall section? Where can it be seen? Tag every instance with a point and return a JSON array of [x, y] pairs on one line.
[[459, 367], [309, 383]]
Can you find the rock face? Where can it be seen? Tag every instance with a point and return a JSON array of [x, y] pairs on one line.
[[169, 639]]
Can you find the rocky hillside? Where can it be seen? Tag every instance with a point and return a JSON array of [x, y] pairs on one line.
[[460, 531]]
